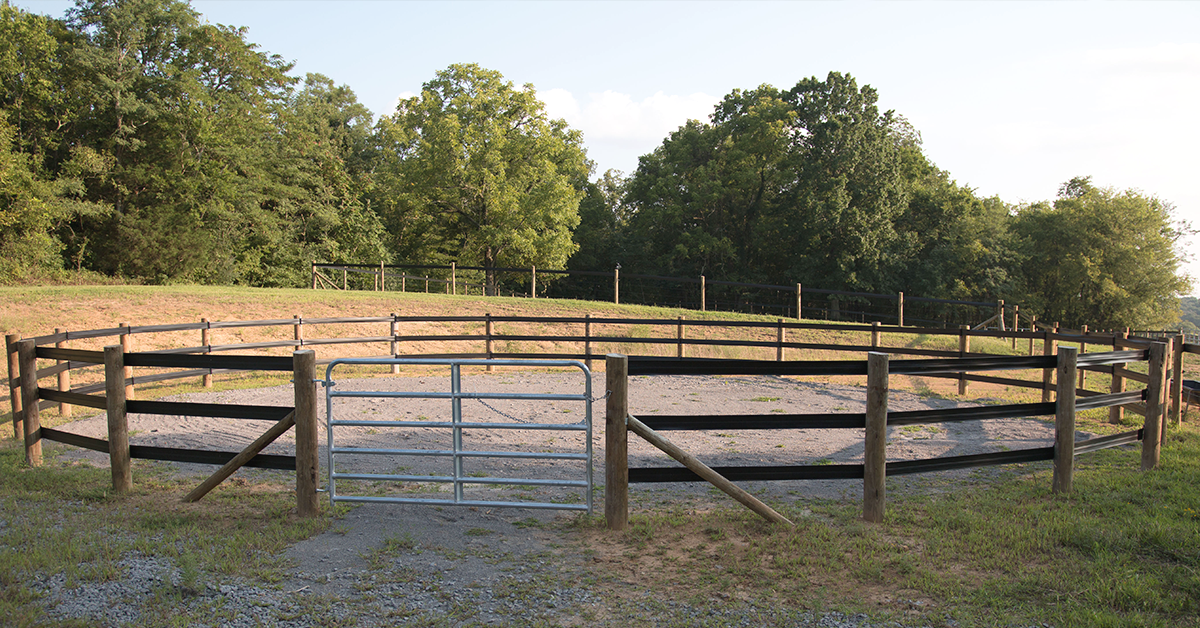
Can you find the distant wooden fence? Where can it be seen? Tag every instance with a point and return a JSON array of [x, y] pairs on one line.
[[697, 293]]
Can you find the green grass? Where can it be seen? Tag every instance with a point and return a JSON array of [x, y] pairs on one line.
[[62, 518], [1123, 549]]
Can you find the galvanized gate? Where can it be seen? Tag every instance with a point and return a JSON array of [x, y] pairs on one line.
[[457, 426]]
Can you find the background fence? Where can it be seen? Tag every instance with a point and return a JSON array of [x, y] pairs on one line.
[[694, 293]]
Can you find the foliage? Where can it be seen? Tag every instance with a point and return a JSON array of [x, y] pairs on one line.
[[474, 165], [1103, 258]]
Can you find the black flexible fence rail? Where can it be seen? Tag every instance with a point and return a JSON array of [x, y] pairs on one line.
[[874, 421]]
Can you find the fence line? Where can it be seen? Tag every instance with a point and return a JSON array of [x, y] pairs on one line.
[[875, 467], [585, 337]]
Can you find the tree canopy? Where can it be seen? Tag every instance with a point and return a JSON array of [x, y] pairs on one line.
[[139, 141]]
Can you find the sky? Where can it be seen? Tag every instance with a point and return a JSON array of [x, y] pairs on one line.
[[1011, 98]]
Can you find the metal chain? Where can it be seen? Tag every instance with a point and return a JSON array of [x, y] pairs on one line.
[[510, 417]]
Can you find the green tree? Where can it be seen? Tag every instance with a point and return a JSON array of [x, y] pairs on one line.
[[182, 111], [472, 169], [1103, 258]]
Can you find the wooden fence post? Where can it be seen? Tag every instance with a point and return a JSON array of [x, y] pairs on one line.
[[118, 421], [1000, 313], [1152, 430], [703, 297], [779, 342], [304, 374], [205, 342], [1116, 414], [1064, 421], [679, 338], [1049, 347], [127, 347], [64, 376], [312, 269], [875, 451], [587, 338], [454, 278], [1032, 330], [617, 284], [1016, 325], [31, 420], [1165, 411], [799, 316], [298, 330], [532, 282], [964, 346], [345, 283], [14, 384], [900, 311], [382, 276], [874, 334], [616, 442], [1176, 379]]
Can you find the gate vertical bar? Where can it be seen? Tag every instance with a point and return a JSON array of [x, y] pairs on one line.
[[456, 417]]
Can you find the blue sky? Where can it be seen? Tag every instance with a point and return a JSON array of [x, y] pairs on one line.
[[1012, 98]]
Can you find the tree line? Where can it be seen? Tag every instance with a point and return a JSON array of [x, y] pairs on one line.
[[140, 142]]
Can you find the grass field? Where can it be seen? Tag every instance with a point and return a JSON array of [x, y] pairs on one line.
[[1122, 550]]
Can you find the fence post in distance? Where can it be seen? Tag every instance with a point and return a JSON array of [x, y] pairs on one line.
[[1064, 421], [207, 379], [31, 420], [118, 421], [679, 338], [1000, 313], [617, 285], [874, 334], [487, 330], [703, 297], [616, 442], [900, 311], [779, 342], [127, 347], [875, 450], [64, 376], [1117, 413], [799, 316], [532, 282], [964, 346], [1049, 347], [587, 338], [1176, 378], [14, 384], [1016, 325], [304, 374]]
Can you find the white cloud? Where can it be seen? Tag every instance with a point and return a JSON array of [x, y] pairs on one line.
[[611, 116]]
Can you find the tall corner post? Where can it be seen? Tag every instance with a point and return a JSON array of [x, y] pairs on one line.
[[616, 442], [30, 420], [118, 421], [14, 383], [1116, 414], [304, 373], [1152, 430], [1064, 421], [875, 450]]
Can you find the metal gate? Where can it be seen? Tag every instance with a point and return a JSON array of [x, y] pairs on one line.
[[457, 426]]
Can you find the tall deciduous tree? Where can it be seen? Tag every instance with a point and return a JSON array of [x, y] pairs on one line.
[[1103, 258], [475, 169]]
